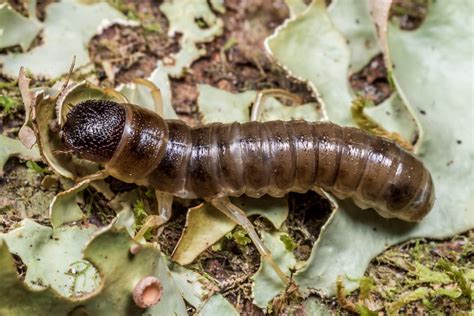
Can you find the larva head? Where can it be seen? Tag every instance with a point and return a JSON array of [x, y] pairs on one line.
[[130, 140], [93, 129]]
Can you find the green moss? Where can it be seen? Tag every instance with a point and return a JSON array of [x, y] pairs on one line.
[[413, 277], [365, 311], [290, 245], [32, 165], [366, 284], [368, 124], [8, 105], [140, 216], [239, 235], [407, 298], [231, 42], [426, 275], [457, 276], [153, 27]]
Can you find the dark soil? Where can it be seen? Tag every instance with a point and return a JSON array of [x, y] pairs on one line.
[[409, 14], [372, 81]]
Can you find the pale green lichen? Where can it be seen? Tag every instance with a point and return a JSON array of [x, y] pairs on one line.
[[240, 236], [8, 105], [84, 260], [52, 58], [290, 245], [14, 148], [16, 29], [197, 24], [267, 285]]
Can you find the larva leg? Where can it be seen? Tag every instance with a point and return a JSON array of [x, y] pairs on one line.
[[116, 94], [155, 92], [262, 95], [164, 203], [237, 215], [99, 175]]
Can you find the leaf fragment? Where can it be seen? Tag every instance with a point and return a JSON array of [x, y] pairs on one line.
[[26, 133], [32, 241], [353, 20]]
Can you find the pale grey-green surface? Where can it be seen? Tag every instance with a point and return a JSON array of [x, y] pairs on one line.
[[66, 21], [15, 29]]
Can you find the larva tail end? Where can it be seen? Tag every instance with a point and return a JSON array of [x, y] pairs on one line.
[[423, 201], [420, 205]]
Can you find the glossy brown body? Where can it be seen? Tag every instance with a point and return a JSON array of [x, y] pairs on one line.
[[271, 158]]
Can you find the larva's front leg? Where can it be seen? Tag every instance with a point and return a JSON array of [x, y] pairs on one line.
[[259, 103], [155, 93]]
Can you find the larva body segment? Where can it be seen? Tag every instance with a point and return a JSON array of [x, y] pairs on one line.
[[269, 158], [279, 157]]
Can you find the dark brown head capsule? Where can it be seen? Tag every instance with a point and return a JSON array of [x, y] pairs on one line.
[[93, 129], [128, 139]]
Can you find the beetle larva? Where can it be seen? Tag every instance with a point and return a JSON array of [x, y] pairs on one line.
[[253, 158]]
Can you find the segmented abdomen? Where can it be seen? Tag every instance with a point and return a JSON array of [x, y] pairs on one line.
[[279, 157]]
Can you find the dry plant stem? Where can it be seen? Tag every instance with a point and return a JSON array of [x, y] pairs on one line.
[[224, 205], [155, 92], [164, 203], [258, 106]]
